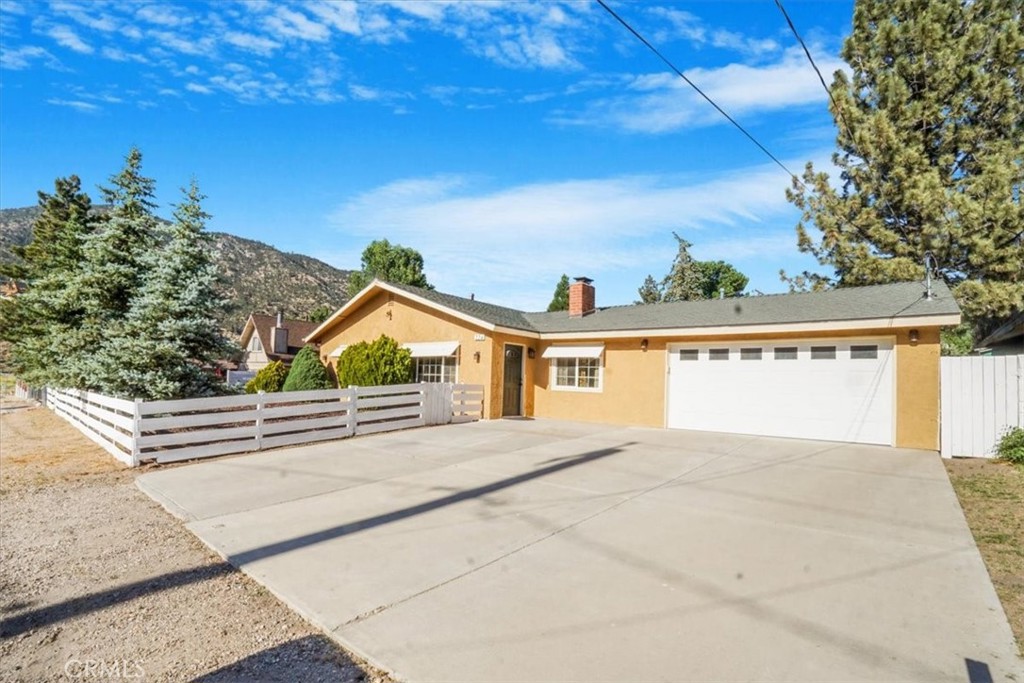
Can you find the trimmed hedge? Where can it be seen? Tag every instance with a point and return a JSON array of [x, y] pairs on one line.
[[308, 373], [269, 379], [377, 363]]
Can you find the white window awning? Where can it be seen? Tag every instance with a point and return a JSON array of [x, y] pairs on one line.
[[336, 353], [574, 351], [432, 349]]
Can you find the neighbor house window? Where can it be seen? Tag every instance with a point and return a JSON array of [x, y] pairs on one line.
[[577, 373], [435, 368], [254, 344]]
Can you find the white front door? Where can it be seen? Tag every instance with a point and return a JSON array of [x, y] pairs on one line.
[[810, 389]]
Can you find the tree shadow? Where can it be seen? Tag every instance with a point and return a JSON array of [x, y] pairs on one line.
[[45, 616], [310, 658]]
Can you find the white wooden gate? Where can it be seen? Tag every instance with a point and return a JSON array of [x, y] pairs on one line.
[[981, 397]]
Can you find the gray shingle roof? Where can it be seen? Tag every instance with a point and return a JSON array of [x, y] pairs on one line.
[[898, 300]]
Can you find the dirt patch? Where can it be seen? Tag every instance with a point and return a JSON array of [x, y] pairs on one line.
[[95, 574], [991, 494]]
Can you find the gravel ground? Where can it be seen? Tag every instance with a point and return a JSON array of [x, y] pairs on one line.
[[96, 580]]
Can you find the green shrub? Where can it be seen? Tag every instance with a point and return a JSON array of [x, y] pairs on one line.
[[308, 373], [269, 379], [1011, 445], [373, 364]]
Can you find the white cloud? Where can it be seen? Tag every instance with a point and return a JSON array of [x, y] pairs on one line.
[[66, 37], [203, 46], [662, 102], [198, 88], [673, 24], [260, 45], [162, 15], [340, 14], [20, 58], [118, 55], [286, 23], [514, 237], [78, 105]]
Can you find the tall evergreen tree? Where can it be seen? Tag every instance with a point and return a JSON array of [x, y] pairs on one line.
[[170, 338], [650, 291], [684, 281], [560, 299], [930, 119], [113, 272], [390, 262], [48, 265], [719, 278]]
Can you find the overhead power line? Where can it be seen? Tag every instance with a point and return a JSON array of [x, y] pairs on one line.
[[693, 85]]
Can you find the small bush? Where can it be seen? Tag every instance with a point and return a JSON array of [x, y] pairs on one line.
[[308, 373], [379, 363], [269, 379], [1011, 445]]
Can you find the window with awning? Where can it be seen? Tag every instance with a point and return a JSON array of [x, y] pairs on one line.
[[336, 353], [574, 351], [434, 361], [439, 349]]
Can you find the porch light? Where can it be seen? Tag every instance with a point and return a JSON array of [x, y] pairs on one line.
[[476, 356], [643, 344], [913, 336]]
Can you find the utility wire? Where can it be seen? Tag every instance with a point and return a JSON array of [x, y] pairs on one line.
[[693, 85]]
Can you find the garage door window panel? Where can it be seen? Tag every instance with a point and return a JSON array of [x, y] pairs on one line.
[[823, 353], [864, 352], [718, 354], [785, 353]]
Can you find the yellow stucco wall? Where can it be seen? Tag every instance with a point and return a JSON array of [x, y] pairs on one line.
[[407, 322], [917, 389], [633, 383]]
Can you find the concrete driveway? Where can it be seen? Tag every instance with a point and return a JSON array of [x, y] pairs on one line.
[[555, 551]]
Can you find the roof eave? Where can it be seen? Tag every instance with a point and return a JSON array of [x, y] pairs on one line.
[[935, 320]]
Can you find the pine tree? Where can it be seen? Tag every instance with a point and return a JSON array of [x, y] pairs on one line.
[[48, 264], [307, 372], [930, 140], [170, 340], [684, 281], [113, 272], [719, 278], [560, 300], [650, 291]]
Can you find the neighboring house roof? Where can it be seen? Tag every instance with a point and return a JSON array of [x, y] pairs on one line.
[[869, 306], [1012, 331], [262, 325]]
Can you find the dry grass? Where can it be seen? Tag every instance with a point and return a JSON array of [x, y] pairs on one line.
[[37, 450], [992, 496]]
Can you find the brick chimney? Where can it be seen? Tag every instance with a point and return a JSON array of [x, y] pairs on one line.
[[581, 297]]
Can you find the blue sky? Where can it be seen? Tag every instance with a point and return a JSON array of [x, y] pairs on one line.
[[509, 142]]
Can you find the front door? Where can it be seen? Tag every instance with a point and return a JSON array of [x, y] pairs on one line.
[[512, 396]]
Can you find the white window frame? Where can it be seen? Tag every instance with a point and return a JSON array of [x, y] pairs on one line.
[[553, 375], [445, 362], [255, 344]]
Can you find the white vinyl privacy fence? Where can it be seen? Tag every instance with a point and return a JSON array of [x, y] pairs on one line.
[[981, 397], [169, 431]]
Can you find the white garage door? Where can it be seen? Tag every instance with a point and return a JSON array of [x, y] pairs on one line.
[[829, 390]]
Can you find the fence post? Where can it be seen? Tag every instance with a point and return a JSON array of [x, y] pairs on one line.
[[260, 403], [353, 410], [136, 430]]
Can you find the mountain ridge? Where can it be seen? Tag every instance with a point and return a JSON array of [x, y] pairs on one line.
[[257, 277]]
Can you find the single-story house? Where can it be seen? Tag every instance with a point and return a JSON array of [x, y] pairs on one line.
[[268, 338], [857, 364]]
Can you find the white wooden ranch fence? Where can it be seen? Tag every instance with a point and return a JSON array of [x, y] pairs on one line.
[[981, 397], [169, 431]]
